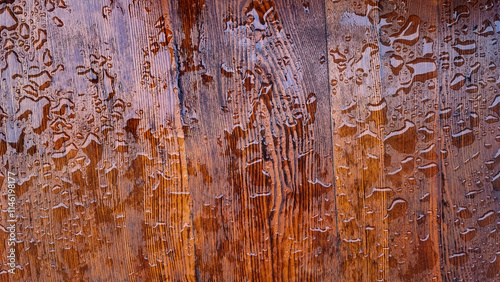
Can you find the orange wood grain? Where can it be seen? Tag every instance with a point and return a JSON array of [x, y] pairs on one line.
[[250, 140]]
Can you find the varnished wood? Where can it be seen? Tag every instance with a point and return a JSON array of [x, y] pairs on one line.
[[250, 140], [469, 131]]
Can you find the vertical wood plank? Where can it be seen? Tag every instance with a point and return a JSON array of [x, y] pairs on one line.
[[358, 115], [254, 92], [384, 95], [93, 132], [469, 114], [408, 44]]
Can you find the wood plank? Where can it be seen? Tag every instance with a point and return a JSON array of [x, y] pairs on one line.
[[362, 197], [383, 89], [253, 85], [469, 128], [101, 169], [408, 44]]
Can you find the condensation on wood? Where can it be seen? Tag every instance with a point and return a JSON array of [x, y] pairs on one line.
[[238, 140]]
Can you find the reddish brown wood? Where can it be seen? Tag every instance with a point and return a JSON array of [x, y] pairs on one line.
[[469, 128], [355, 79], [250, 140]]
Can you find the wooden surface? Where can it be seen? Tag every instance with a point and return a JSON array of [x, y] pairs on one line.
[[251, 140]]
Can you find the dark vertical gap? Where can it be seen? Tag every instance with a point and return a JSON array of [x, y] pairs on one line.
[[180, 94], [180, 98], [332, 126], [385, 200], [442, 179]]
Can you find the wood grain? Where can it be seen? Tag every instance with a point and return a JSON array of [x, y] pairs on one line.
[[354, 68], [469, 130], [259, 161], [408, 41], [250, 140]]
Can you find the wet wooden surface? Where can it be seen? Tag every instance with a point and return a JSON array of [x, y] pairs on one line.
[[251, 140]]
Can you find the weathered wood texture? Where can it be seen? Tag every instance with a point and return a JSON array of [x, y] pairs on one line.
[[384, 76], [251, 140]]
